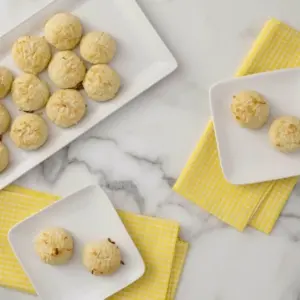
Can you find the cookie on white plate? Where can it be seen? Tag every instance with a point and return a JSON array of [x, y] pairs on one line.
[[54, 246], [98, 47], [102, 258], [4, 157], [66, 70], [63, 31], [30, 93], [66, 108], [250, 109], [284, 134], [6, 79], [29, 131], [31, 54], [101, 83], [5, 119]]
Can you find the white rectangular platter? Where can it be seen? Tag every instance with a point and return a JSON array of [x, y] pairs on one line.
[[142, 60], [89, 216], [246, 155]]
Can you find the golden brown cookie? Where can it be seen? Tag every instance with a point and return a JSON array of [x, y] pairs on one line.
[[250, 109], [31, 54], [284, 134], [101, 83], [102, 258], [54, 246]]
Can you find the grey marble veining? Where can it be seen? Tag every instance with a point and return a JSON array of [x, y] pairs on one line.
[[137, 154]]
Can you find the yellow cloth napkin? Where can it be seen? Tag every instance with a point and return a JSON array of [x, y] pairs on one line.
[[202, 180], [157, 240]]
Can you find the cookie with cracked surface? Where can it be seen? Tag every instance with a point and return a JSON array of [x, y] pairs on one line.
[[29, 93], [66, 108], [31, 54], [63, 31], [29, 131], [66, 70]]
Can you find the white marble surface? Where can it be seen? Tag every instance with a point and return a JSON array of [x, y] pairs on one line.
[[137, 154]]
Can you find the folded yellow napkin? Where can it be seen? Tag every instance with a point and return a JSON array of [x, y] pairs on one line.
[[157, 240], [258, 205]]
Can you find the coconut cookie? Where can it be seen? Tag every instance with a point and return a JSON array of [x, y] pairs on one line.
[[102, 258], [66, 70], [30, 93], [63, 31], [250, 109], [31, 54], [66, 108], [101, 83], [284, 134], [98, 47], [5, 119], [4, 157], [6, 79], [54, 246], [29, 131]]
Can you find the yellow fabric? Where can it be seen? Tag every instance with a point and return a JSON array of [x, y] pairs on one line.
[[202, 180], [157, 240]]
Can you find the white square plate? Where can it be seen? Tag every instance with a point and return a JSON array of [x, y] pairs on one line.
[[246, 155], [88, 215], [142, 60]]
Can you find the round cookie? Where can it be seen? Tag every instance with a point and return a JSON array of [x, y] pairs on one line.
[[101, 83], [30, 93], [5, 119], [66, 70], [284, 134], [29, 131], [66, 108], [250, 109], [6, 79], [31, 54], [54, 246], [63, 31], [102, 258], [98, 47], [4, 157]]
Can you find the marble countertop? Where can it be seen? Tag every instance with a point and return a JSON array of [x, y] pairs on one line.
[[137, 166]]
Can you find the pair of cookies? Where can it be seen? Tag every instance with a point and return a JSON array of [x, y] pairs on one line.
[[251, 110], [55, 246], [65, 108], [29, 93], [64, 32], [67, 70]]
